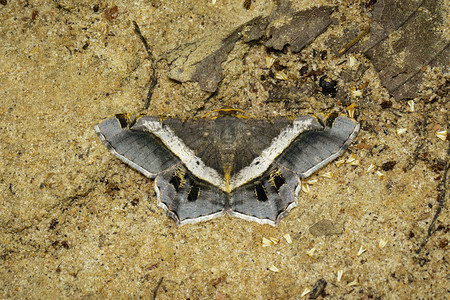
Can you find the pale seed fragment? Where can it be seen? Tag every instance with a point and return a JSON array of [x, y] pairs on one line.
[[442, 135], [305, 188], [411, 105], [379, 174], [306, 291], [370, 168], [401, 131], [327, 175], [280, 75], [310, 252], [269, 61], [382, 243], [353, 283], [274, 269], [266, 242], [288, 238], [339, 275], [361, 250], [312, 181], [356, 162], [356, 93], [351, 159], [274, 240], [339, 162]]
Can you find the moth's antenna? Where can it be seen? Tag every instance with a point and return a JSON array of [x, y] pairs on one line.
[[152, 59]]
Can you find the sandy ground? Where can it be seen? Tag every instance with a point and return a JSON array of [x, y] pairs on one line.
[[75, 222]]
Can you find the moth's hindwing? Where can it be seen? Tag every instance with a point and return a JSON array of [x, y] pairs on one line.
[[267, 198], [186, 198]]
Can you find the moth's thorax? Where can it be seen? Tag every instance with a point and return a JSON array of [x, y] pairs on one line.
[[226, 133], [228, 136]]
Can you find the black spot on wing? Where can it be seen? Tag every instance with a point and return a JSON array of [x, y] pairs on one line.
[[260, 191], [178, 179], [194, 192], [176, 182], [276, 180]]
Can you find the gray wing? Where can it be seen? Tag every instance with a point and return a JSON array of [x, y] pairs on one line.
[[198, 136], [312, 150], [140, 149], [187, 199], [255, 136], [268, 198]]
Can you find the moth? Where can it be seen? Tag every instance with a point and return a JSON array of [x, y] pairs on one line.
[[230, 163]]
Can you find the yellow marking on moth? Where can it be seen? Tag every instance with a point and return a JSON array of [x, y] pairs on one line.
[[227, 165], [198, 191], [229, 110], [256, 192], [272, 175], [181, 173], [227, 183], [162, 118], [126, 116]]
